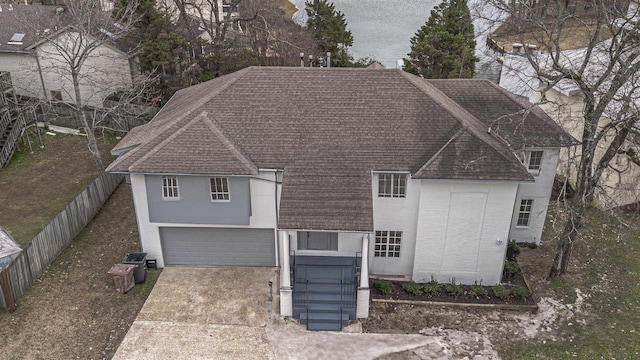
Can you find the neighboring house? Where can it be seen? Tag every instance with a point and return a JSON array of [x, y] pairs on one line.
[[620, 183], [337, 174], [207, 15], [27, 51]]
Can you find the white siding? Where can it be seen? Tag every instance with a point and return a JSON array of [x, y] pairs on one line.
[[105, 71], [395, 214], [462, 230], [24, 73], [539, 191]]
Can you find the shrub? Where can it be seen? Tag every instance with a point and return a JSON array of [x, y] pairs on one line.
[[453, 289], [500, 292], [412, 288], [385, 287], [521, 293], [432, 288], [478, 291], [513, 249], [512, 268]]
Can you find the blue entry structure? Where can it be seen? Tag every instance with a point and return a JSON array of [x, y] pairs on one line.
[[324, 290]]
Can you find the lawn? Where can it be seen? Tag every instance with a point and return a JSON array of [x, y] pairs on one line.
[[603, 288], [35, 187]]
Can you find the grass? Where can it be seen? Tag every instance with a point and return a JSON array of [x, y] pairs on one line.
[[36, 186], [606, 270]]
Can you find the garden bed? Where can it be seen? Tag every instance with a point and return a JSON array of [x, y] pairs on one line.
[[517, 293], [513, 291]]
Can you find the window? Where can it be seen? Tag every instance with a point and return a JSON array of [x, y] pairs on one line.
[[170, 188], [525, 212], [310, 240], [219, 189], [387, 244], [535, 160], [392, 185], [56, 95]]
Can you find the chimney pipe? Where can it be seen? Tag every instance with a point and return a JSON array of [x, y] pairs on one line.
[[532, 49], [515, 48], [328, 59]]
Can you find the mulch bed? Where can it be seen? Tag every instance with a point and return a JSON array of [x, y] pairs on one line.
[[398, 293]]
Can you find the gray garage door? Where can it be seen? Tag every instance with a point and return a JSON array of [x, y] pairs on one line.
[[218, 247]]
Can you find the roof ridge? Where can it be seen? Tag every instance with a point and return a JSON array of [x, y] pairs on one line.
[[531, 107], [437, 153], [204, 99], [228, 142], [467, 120]]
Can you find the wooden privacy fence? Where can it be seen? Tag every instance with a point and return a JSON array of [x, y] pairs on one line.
[[16, 278]]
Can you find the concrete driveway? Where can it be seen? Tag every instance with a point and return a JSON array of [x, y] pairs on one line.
[[223, 313], [203, 313]]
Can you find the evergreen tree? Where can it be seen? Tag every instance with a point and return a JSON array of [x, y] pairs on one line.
[[444, 45], [330, 29]]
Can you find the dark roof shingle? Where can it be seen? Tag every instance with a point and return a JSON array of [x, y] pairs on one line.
[[329, 129]]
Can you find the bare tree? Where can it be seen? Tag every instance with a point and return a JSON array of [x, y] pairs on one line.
[[84, 60], [277, 40], [589, 48]]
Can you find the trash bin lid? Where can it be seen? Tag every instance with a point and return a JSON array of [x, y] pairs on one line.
[[121, 269]]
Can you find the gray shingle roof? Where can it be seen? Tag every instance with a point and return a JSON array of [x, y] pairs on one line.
[[31, 20], [515, 120], [328, 129]]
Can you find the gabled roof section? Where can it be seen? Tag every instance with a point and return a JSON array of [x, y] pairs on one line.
[[515, 120], [178, 110], [324, 199], [475, 144], [197, 147]]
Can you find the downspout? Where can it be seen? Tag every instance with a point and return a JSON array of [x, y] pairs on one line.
[[275, 201]]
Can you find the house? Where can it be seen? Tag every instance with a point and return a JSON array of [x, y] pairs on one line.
[[30, 39], [335, 174], [564, 103]]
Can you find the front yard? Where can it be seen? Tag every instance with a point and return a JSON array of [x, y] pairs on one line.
[[593, 312]]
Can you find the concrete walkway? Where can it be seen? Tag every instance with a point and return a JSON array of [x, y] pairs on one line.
[[223, 313]]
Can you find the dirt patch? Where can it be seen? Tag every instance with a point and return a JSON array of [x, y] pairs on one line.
[[73, 311]]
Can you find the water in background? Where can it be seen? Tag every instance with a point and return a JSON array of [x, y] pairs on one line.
[[382, 29]]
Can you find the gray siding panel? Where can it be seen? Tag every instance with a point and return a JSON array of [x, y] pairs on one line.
[[195, 205], [218, 247]]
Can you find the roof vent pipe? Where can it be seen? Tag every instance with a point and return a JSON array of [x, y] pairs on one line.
[[515, 48], [301, 59], [532, 49], [328, 59]]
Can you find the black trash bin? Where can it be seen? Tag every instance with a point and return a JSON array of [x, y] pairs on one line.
[[140, 261]]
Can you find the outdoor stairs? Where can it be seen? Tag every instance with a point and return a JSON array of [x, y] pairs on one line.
[[324, 292], [8, 138], [11, 122]]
